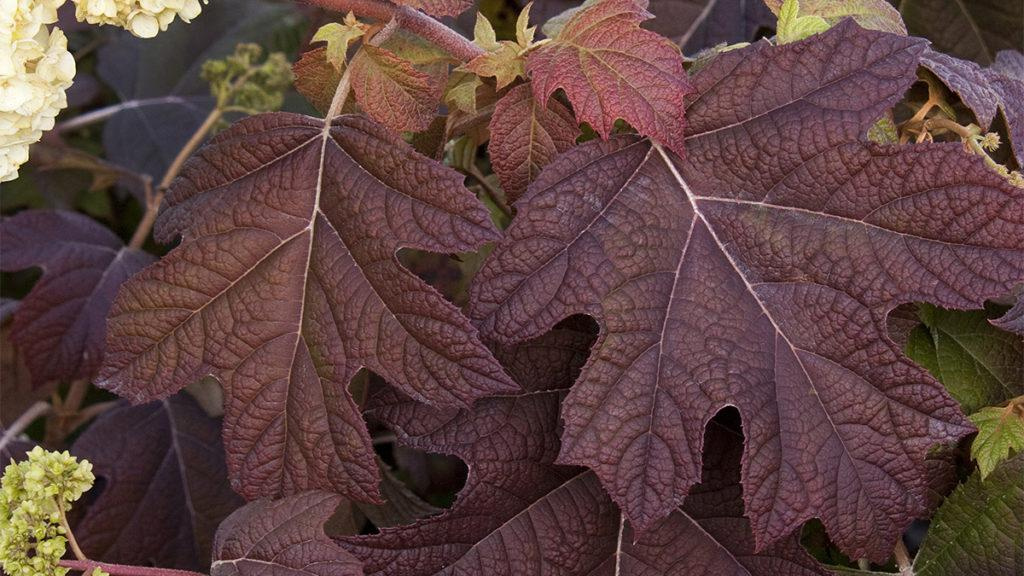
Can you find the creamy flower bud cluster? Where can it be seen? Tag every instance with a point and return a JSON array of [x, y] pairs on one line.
[[144, 18], [35, 70], [34, 496]]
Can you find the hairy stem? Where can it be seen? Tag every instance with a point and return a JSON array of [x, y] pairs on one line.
[[154, 200], [412, 20], [86, 567], [27, 418]]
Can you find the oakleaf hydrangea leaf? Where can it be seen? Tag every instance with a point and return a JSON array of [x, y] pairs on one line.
[[794, 25], [317, 79], [978, 529], [1013, 320], [526, 136], [338, 36], [521, 514], [757, 272], [394, 92], [871, 14], [59, 327], [610, 68], [286, 283], [165, 486], [974, 30], [979, 364], [503, 60], [282, 538], [1000, 433]]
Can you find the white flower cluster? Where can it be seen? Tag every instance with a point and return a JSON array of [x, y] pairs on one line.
[[35, 70], [144, 18]]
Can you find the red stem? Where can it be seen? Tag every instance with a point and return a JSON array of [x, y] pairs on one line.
[[412, 20], [86, 567]]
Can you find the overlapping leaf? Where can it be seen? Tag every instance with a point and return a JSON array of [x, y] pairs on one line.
[[978, 364], [978, 530], [871, 14], [282, 538], [393, 91], [610, 68], [999, 88], [971, 29], [758, 272], [439, 7], [286, 283], [526, 136], [59, 327], [164, 485], [521, 514], [1000, 434]]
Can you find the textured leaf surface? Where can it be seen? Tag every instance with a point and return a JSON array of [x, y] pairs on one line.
[[317, 79], [282, 538], [59, 327], [1000, 434], [286, 283], [871, 14], [979, 529], [978, 364], [971, 29], [1013, 320], [521, 514], [758, 273], [165, 486], [394, 92], [526, 136], [610, 68], [439, 7]]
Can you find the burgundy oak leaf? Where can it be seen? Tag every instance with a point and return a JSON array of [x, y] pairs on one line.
[[394, 92], [521, 514], [317, 79], [974, 29], [282, 538], [526, 136], [610, 68], [164, 485], [758, 273], [286, 283], [59, 327], [1013, 320]]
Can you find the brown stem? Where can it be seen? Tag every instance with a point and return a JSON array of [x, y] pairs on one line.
[[89, 412], [902, 557], [27, 418], [945, 124], [412, 20], [153, 201], [86, 567], [492, 194]]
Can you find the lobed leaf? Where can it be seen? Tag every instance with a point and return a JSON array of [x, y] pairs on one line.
[[286, 284], [610, 68], [59, 327], [871, 14], [526, 136], [973, 30], [164, 485], [282, 538], [758, 272], [394, 92], [1000, 433]]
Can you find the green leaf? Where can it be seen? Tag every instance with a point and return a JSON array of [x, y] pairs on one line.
[[980, 527], [794, 27], [1000, 432], [338, 36], [979, 364], [870, 14]]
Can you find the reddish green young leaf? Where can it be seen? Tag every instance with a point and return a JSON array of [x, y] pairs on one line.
[[525, 136], [871, 14], [610, 68], [394, 92], [317, 79], [521, 514], [758, 273], [286, 283], [165, 486], [59, 327], [282, 538]]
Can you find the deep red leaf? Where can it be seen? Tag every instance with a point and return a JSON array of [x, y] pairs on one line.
[[610, 68], [286, 283], [758, 273], [163, 485], [526, 136], [282, 538], [59, 327]]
